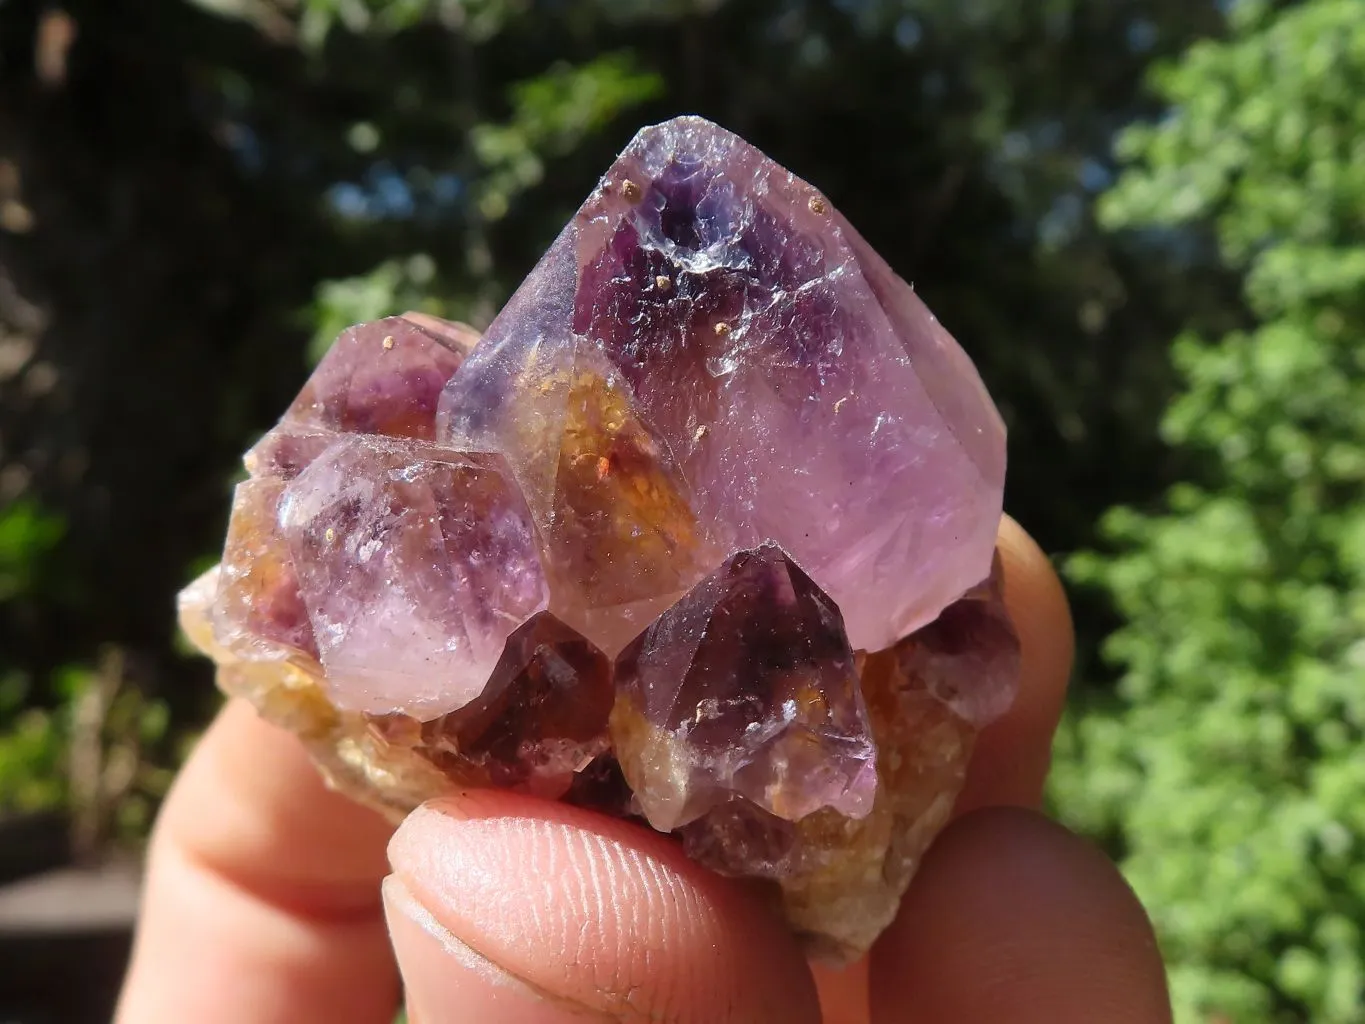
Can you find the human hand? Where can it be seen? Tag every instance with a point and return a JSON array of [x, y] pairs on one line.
[[263, 900]]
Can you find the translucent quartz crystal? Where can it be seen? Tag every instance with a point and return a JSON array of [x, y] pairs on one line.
[[711, 340], [541, 719], [415, 563], [383, 378], [700, 532], [840, 876], [744, 688]]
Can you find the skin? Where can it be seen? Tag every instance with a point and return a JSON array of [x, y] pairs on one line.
[[271, 899]]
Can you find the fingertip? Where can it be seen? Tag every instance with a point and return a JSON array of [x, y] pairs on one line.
[[1013, 755], [1038, 606], [443, 979], [601, 915], [252, 804], [1012, 917]]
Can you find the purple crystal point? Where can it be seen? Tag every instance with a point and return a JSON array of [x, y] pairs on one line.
[[380, 378], [968, 657], [540, 720], [745, 688], [416, 564], [383, 377], [789, 385]]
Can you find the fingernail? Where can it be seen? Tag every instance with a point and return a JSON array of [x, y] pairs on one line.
[[444, 980]]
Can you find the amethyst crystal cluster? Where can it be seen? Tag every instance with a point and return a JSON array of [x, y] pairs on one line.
[[701, 531]]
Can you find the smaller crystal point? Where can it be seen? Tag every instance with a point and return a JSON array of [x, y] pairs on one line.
[[415, 564], [540, 720], [383, 377], [841, 879], [286, 451], [380, 378], [258, 608], [621, 538], [745, 688], [969, 656]]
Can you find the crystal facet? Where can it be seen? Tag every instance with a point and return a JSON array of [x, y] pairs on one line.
[[381, 378], [701, 532], [258, 601], [782, 379], [744, 688], [541, 718], [415, 563]]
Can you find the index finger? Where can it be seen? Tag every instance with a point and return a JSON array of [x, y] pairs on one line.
[[262, 895]]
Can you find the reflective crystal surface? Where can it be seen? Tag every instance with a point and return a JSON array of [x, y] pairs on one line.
[[540, 720], [745, 688], [415, 564], [709, 334]]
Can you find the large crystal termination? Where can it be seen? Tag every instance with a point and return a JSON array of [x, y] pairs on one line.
[[700, 532], [718, 360]]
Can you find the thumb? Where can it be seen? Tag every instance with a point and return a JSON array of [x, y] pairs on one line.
[[508, 910]]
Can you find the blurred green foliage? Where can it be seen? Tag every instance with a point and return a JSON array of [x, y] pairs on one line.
[[27, 537], [196, 196], [31, 774], [551, 115], [1232, 764], [103, 752], [31, 777]]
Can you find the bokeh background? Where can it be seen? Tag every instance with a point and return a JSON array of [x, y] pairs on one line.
[[1145, 219]]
